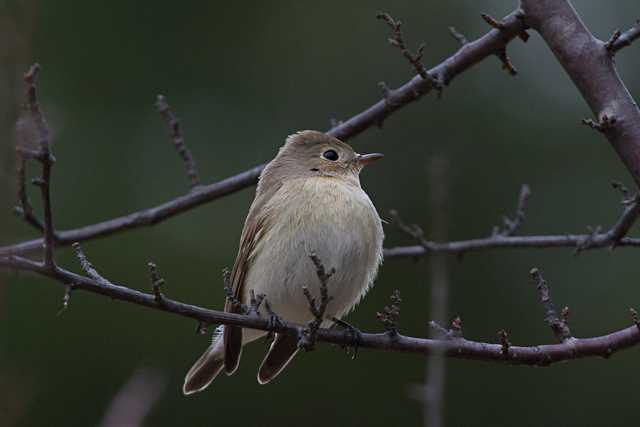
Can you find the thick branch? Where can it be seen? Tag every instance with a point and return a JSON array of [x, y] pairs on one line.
[[467, 56], [539, 355], [592, 69]]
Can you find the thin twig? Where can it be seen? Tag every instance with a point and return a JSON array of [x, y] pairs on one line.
[[24, 208], [510, 226], [558, 324], [66, 298], [397, 40], [178, 140], [88, 268], [308, 335], [46, 159], [460, 38], [502, 52], [156, 282]]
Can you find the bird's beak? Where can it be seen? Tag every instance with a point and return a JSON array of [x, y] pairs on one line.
[[365, 159]]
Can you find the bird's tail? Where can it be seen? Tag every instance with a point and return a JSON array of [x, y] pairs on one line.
[[207, 367]]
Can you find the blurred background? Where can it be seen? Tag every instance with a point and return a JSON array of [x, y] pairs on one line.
[[241, 76]]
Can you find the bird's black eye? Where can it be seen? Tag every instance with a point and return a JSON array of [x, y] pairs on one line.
[[330, 155]]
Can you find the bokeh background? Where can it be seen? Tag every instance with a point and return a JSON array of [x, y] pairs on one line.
[[241, 76]]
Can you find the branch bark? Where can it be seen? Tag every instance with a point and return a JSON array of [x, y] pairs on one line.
[[460, 348], [592, 69], [468, 55]]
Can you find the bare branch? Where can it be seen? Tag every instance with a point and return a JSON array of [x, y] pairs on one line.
[[559, 325], [397, 40], [592, 70], [178, 139], [308, 335], [612, 238], [88, 268], [46, 159], [538, 355], [510, 226], [467, 56]]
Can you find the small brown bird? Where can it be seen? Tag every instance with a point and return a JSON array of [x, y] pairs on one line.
[[308, 200]]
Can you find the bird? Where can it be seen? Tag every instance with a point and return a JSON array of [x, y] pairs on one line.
[[308, 201]]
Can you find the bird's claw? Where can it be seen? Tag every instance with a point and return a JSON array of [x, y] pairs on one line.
[[354, 334]]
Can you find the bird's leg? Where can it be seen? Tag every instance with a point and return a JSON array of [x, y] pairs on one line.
[[354, 333], [274, 320]]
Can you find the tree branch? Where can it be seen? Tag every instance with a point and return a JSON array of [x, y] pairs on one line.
[[612, 238], [46, 159], [460, 348], [463, 59], [592, 69]]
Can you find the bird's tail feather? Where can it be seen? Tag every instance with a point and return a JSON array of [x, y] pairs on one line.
[[207, 367], [282, 350]]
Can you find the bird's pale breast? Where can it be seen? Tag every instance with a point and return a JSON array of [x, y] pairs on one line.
[[335, 220]]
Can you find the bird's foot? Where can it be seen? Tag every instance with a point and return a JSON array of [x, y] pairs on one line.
[[354, 334]]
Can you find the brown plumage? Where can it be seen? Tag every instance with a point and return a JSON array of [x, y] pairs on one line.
[[308, 199]]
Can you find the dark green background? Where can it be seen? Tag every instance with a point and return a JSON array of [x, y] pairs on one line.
[[242, 76]]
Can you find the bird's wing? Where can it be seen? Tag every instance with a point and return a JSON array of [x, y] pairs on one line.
[[254, 228]]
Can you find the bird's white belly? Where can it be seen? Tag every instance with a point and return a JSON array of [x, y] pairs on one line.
[[335, 222]]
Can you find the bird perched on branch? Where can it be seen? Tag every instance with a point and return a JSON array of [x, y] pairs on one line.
[[308, 201]]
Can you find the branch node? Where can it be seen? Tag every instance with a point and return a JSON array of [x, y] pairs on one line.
[[156, 283], [609, 45], [504, 343], [390, 315], [634, 317], [454, 332], [456, 328], [604, 124], [587, 241]]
